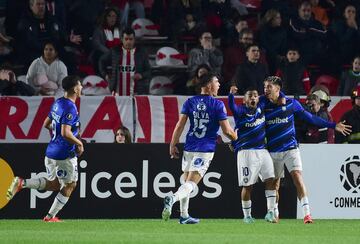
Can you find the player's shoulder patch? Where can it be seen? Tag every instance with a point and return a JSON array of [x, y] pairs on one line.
[[69, 116]]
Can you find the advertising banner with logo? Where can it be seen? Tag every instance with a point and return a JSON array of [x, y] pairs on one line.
[[332, 177], [151, 119], [130, 181]]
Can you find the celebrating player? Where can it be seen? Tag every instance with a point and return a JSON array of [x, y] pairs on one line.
[[253, 160], [205, 114], [61, 153], [281, 141]]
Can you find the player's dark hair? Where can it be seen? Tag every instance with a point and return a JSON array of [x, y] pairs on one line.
[[205, 79], [70, 82], [251, 45], [275, 80], [250, 88]]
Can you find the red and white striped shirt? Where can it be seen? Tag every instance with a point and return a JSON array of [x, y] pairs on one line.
[[126, 83]]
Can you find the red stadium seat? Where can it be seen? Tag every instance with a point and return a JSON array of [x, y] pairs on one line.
[[328, 81]]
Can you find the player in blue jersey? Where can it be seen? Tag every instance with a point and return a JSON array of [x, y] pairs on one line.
[[62, 151], [206, 114], [253, 160], [280, 134]]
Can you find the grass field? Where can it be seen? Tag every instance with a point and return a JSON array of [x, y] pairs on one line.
[[157, 231]]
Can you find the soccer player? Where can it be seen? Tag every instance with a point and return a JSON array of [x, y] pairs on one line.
[[253, 160], [61, 153], [206, 114], [281, 142]]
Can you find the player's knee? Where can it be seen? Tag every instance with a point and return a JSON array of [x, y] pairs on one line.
[[68, 189]]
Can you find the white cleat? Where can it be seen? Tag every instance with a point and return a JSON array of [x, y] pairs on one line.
[[168, 203]]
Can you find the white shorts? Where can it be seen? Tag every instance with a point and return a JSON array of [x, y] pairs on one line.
[[290, 158], [196, 161], [65, 170], [252, 164]]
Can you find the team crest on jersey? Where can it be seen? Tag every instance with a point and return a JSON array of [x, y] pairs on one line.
[[283, 108], [69, 116], [258, 110], [199, 162], [55, 107], [201, 106]]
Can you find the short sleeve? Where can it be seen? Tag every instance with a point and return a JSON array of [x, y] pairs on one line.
[[69, 116], [221, 111], [185, 108]]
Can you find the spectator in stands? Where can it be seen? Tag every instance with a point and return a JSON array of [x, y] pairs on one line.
[[309, 35], [82, 16], [190, 26], [56, 8], [232, 37], [130, 68], [207, 53], [347, 35], [283, 6], [323, 94], [106, 36], [35, 29], [46, 73], [250, 73], [192, 86], [10, 86], [352, 117], [273, 38], [236, 55], [319, 13], [350, 78], [122, 135], [126, 5], [312, 133], [295, 77]]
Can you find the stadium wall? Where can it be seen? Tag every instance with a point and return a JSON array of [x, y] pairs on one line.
[[130, 181], [151, 119]]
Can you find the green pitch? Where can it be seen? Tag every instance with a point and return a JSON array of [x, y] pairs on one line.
[[157, 231]]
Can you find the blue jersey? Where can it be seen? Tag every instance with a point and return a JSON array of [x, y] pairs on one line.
[[63, 111], [250, 124], [204, 113], [280, 129]]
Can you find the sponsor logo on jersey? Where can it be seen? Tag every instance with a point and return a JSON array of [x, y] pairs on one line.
[[277, 120], [256, 122]]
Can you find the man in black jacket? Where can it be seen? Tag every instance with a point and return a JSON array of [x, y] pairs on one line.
[[352, 117]]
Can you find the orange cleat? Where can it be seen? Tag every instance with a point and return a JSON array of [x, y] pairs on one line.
[[308, 219], [52, 219]]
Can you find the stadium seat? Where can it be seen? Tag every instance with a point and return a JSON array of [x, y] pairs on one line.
[[330, 82], [254, 4]]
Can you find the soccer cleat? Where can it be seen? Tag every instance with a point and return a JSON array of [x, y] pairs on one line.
[[308, 219], [270, 217], [188, 220], [168, 203], [248, 220], [15, 187], [52, 219]]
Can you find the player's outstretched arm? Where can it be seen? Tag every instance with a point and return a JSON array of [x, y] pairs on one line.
[[69, 136], [227, 130], [343, 128], [174, 151]]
